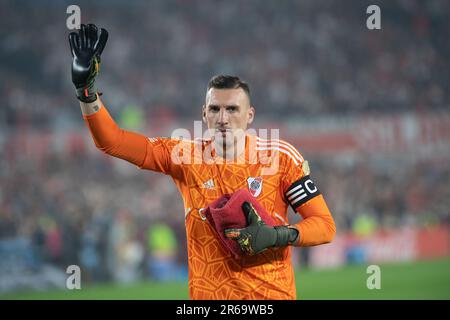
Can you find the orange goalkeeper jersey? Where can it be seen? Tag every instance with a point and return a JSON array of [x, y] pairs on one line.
[[272, 170]]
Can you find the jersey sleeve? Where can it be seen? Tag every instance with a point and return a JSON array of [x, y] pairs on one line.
[[297, 185], [301, 193], [146, 153], [163, 155]]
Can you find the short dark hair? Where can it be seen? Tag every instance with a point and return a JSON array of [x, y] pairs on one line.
[[228, 82]]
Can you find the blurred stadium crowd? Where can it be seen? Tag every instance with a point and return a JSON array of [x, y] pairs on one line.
[[301, 58]]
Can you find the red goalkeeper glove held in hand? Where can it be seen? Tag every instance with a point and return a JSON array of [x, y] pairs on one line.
[[86, 46], [258, 236]]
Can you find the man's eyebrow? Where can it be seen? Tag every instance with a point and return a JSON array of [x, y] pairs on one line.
[[226, 106]]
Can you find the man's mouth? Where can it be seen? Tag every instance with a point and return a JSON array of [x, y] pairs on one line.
[[223, 130]]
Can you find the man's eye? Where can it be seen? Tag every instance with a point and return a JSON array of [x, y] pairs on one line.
[[231, 109], [214, 109]]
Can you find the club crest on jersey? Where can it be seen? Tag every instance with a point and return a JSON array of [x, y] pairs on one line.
[[255, 185]]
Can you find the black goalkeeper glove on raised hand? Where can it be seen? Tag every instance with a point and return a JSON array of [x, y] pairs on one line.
[[258, 236], [86, 46]]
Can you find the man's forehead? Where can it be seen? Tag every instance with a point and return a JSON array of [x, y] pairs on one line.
[[219, 97]]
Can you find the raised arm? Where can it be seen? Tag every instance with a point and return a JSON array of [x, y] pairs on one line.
[[112, 139], [87, 46]]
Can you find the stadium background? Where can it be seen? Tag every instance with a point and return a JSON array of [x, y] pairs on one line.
[[368, 109]]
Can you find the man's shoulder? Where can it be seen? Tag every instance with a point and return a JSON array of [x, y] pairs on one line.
[[285, 149]]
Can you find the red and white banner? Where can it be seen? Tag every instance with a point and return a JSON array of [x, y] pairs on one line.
[[386, 134]]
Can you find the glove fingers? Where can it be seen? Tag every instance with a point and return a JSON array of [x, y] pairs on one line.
[[252, 216], [233, 234], [83, 40], [101, 43], [74, 43], [91, 35]]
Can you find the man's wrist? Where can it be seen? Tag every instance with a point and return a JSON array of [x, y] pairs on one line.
[[88, 108], [87, 94], [286, 236]]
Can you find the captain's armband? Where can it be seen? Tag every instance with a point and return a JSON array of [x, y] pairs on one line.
[[301, 191]]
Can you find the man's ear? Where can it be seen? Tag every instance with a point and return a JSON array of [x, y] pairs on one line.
[[204, 113], [251, 115]]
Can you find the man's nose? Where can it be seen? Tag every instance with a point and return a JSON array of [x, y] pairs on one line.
[[223, 117]]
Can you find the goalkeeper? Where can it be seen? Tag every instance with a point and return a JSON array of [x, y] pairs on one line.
[[264, 269]]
